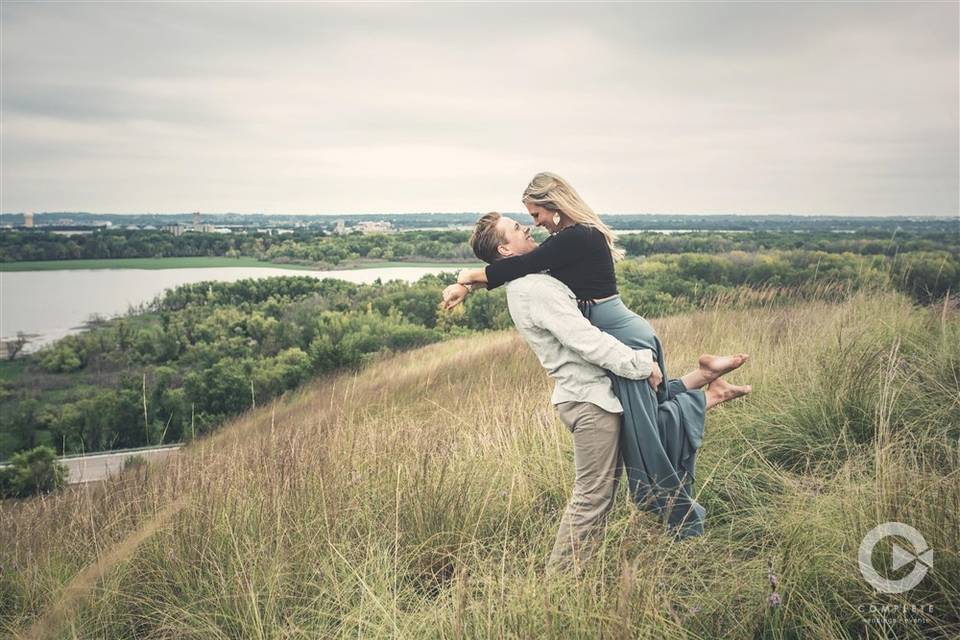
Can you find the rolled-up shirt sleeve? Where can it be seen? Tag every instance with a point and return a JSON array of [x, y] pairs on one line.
[[557, 313]]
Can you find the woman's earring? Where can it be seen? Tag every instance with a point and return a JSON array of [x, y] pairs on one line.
[[556, 219]]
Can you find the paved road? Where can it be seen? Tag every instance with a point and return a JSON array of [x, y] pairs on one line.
[[98, 466]]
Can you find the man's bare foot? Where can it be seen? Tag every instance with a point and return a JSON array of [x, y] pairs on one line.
[[720, 391], [712, 367]]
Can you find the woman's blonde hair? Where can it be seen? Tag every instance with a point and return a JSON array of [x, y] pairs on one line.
[[553, 193]]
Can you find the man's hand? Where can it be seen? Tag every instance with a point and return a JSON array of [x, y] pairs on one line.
[[453, 295], [656, 377]]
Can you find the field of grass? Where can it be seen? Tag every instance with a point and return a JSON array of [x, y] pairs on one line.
[[419, 498], [199, 262]]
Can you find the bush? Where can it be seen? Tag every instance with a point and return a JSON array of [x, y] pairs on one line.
[[61, 358], [223, 388], [8, 476], [346, 340], [32, 472]]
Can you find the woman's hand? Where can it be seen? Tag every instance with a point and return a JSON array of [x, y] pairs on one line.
[[454, 295], [656, 377]]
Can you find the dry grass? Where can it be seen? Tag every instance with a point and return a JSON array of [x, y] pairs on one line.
[[420, 497]]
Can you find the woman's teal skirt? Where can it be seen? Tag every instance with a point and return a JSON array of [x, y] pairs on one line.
[[661, 430]]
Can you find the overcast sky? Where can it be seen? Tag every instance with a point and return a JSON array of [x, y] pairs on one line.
[[832, 108]]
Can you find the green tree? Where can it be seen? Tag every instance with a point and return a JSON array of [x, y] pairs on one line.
[[61, 358], [223, 389], [34, 472]]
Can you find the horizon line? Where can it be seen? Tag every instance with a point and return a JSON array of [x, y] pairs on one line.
[[479, 213]]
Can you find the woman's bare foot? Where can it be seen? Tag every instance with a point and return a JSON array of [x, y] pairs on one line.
[[720, 391], [712, 367]]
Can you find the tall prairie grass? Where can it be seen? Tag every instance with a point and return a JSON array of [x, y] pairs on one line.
[[419, 498]]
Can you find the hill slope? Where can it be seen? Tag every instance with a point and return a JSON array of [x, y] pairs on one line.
[[420, 497]]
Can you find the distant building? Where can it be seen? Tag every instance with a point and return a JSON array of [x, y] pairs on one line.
[[103, 223], [374, 227], [196, 220], [340, 228], [175, 229], [28, 220]]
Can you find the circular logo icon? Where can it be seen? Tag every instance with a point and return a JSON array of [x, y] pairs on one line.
[[920, 555]]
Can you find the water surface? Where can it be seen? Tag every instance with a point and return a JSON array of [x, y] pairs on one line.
[[52, 304]]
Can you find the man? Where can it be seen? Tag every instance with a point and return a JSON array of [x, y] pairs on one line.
[[575, 354]]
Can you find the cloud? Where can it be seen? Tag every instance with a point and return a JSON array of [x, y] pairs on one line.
[[300, 108]]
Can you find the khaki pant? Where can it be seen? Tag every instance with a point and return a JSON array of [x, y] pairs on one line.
[[596, 435]]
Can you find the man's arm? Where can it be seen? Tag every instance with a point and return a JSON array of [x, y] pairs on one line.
[[557, 312], [472, 277]]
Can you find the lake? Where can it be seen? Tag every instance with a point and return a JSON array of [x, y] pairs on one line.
[[49, 305]]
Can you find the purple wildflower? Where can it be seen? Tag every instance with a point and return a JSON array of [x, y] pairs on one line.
[[774, 600]]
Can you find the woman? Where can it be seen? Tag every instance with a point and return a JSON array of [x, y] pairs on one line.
[[662, 428]]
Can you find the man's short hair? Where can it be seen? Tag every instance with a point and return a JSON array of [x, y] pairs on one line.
[[486, 238]]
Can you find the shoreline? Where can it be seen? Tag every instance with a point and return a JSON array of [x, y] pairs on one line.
[[202, 262]]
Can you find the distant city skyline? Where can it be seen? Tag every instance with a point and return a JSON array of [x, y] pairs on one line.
[[846, 108], [516, 212]]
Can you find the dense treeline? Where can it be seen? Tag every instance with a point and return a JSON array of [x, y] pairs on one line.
[[17, 246], [312, 247], [664, 284], [412, 221], [302, 246], [411, 245], [868, 243], [204, 352]]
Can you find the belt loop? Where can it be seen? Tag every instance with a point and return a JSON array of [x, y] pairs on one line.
[[585, 306]]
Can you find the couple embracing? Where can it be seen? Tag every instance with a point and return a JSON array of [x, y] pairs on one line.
[[612, 390]]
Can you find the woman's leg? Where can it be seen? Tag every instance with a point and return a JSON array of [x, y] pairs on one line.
[[720, 391], [711, 368], [658, 442], [661, 430], [681, 422]]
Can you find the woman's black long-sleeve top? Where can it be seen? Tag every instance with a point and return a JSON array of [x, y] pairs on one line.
[[578, 256]]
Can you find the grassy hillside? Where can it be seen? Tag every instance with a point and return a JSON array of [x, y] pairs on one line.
[[420, 498]]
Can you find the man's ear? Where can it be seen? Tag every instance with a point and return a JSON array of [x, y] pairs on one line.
[[503, 250]]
